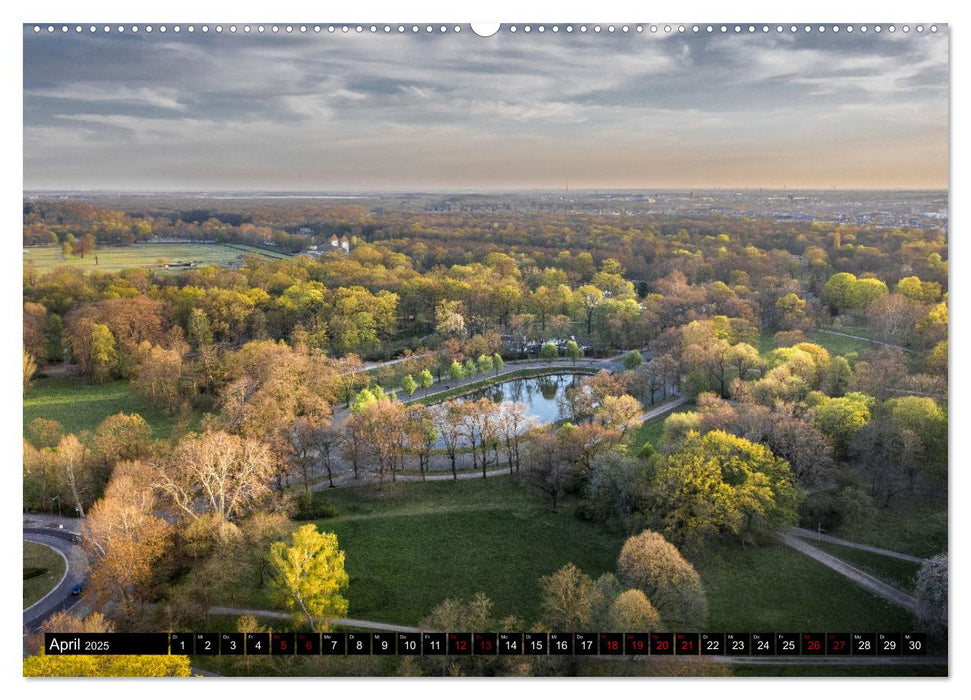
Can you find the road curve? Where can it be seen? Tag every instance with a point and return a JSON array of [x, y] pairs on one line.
[[60, 597]]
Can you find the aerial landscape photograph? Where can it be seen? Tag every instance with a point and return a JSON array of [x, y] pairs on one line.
[[416, 350]]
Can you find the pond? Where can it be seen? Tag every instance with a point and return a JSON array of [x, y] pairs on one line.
[[540, 394]]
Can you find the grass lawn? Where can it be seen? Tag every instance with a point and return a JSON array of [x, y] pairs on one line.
[[896, 572], [117, 258], [650, 431], [913, 526], [41, 557], [79, 406], [839, 344], [414, 545], [776, 589]]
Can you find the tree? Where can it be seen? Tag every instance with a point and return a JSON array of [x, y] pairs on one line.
[[409, 384], [743, 358], [585, 301], [158, 376], [497, 363], [103, 356], [617, 488], [30, 367], [841, 418], [469, 369], [309, 577], [932, 595], [719, 483], [632, 360], [42, 432], [549, 468], [216, 472], [123, 539], [421, 434], [425, 379], [654, 566], [122, 437], [549, 352], [199, 329], [569, 598], [448, 418], [485, 364], [107, 666], [619, 413], [72, 460], [631, 610], [455, 371], [573, 351]]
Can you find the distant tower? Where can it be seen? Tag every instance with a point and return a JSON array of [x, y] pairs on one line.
[[334, 242], [345, 244]]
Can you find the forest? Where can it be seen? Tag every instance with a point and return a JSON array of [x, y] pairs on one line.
[[733, 377]]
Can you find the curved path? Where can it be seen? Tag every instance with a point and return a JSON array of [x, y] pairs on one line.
[[59, 598]]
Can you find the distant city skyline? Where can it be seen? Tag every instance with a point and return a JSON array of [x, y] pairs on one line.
[[457, 112]]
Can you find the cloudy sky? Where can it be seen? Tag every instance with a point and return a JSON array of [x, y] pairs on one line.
[[458, 111]]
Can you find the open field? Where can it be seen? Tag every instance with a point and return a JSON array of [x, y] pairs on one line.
[[915, 526], [776, 589], [79, 406], [897, 572], [117, 258], [41, 557], [413, 545], [839, 344]]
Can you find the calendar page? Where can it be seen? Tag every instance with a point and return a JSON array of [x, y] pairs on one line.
[[416, 349]]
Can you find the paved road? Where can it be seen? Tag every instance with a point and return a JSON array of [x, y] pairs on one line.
[[664, 408], [60, 597], [871, 583], [813, 535]]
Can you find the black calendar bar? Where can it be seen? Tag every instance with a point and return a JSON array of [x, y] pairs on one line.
[[793, 644]]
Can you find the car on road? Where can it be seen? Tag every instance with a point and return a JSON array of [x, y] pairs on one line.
[[76, 590]]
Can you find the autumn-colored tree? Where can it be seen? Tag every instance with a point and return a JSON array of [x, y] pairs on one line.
[[42, 432], [421, 434], [72, 461], [619, 413], [216, 472], [30, 368], [122, 437], [654, 566], [569, 599], [123, 538], [632, 610], [309, 577], [158, 376]]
